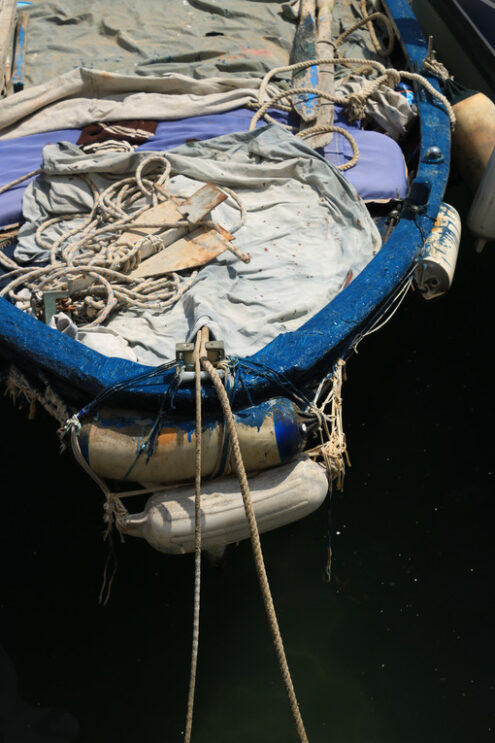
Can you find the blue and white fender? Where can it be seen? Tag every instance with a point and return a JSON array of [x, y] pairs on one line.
[[435, 271], [124, 445]]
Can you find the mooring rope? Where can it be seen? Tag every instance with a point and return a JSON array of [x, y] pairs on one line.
[[256, 544], [199, 351]]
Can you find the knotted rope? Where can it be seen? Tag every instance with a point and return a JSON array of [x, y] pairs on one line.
[[354, 103]]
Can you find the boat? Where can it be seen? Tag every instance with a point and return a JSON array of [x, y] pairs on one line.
[[473, 22], [292, 230]]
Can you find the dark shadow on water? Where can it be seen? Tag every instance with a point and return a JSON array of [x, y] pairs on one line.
[[397, 646]]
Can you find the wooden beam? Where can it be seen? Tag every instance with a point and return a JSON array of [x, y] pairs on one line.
[[304, 48], [7, 33]]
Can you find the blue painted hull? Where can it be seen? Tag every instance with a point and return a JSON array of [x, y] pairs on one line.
[[295, 359]]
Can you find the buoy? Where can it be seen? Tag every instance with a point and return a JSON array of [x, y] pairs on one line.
[[435, 273], [473, 138], [115, 445], [279, 496], [481, 217]]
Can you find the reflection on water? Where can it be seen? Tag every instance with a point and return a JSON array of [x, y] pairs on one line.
[[397, 647]]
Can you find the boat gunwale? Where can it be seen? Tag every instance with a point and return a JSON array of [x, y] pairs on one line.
[[300, 355]]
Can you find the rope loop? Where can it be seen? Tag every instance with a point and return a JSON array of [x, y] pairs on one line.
[[144, 165]]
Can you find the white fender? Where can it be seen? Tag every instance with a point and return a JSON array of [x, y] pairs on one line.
[[280, 496], [481, 217], [435, 273]]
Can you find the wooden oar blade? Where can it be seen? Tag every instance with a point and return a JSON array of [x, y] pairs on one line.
[[304, 48]]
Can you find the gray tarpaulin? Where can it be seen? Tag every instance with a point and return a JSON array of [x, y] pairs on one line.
[[199, 38], [81, 97], [157, 59], [307, 232]]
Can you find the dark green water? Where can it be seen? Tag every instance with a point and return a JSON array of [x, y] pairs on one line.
[[397, 647]]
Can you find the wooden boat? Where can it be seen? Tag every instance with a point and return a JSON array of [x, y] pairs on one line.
[[132, 423]]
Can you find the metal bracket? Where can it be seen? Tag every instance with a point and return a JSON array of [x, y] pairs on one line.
[[184, 354], [50, 303], [215, 351]]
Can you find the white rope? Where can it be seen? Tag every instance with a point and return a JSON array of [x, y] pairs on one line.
[[95, 250], [354, 103], [332, 447]]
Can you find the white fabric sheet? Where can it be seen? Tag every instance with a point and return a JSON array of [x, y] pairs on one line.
[[307, 232]]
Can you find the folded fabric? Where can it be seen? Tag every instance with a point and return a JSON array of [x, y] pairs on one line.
[[18, 157], [379, 175], [135, 132]]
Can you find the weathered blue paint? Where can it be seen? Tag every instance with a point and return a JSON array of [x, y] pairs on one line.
[[302, 355], [289, 434]]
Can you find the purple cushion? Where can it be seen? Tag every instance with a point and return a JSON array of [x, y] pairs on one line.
[[18, 157], [379, 175]]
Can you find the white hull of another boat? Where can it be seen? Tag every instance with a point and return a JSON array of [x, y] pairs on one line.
[[280, 496]]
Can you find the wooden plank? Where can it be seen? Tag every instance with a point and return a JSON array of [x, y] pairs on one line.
[[304, 48], [7, 31], [200, 248]]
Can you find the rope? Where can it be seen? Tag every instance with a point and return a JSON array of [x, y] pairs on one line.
[[256, 544], [199, 350], [307, 133], [19, 180], [114, 509], [17, 384], [432, 66], [95, 251], [390, 30], [368, 20], [355, 102], [333, 446]]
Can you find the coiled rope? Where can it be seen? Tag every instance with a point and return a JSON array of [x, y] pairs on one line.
[[94, 250], [354, 103]]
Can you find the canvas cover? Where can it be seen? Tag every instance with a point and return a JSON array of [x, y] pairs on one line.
[[306, 230], [372, 181]]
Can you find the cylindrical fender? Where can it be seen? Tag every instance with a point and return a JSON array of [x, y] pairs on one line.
[[435, 273], [279, 496], [481, 217], [473, 138], [115, 444]]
